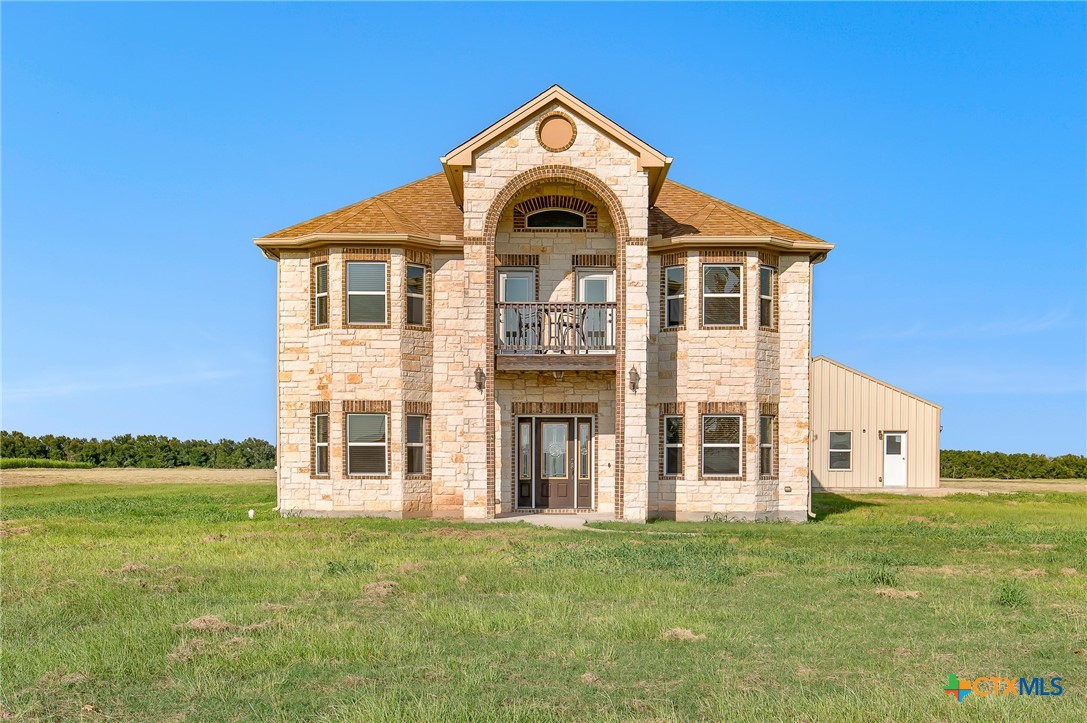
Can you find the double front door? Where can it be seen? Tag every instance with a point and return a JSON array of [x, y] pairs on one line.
[[554, 462]]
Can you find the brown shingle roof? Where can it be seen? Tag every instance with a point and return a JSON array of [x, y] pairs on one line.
[[426, 207]]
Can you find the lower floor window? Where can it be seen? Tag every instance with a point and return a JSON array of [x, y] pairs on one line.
[[766, 446], [721, 435], [367, 443], [320, 442], [415, 446], [673, 445], [841, 450]]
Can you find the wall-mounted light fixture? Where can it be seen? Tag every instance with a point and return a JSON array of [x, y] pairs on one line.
[[481, 379], [634, 378], [881, 434]]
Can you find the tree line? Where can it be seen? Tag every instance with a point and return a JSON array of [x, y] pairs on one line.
[[143, 450], [958, 464]]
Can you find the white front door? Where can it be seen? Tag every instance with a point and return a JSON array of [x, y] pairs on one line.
[[894, 459]]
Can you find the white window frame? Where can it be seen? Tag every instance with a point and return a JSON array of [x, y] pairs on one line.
[[384, 445], [738, 445], [318, 444], [410, 295], [831, 449], [765, 443], [738, 295], [769, 297], [672, 445], [384, 293], [318, 295], [681, 295], [582, 227], [421, 445]]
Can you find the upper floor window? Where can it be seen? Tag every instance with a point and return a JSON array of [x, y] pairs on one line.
[[674, 293], [320, 294], [766, 296], [722, 294], [366, 292], [555, 218], [416, 293]]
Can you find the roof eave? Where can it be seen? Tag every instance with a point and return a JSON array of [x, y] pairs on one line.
[[814, 248], [272, 246]]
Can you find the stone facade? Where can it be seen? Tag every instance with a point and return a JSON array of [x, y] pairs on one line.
[[445, 369]]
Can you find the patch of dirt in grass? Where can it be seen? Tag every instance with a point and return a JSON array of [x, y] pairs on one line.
[[9, 529], [892, 593], [130, 567], [804, 671], [903, 652], [462, 579], [942, 570], [1036, 572], [410, 567], [215, 624], [374, 593], [187, 650], [62, 677], [682, 634], [1042, 546], [1068, 571], [214, 537], [456, 532], [590, 679]]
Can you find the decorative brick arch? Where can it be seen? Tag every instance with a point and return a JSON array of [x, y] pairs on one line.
[[524, 209], [543, 174]]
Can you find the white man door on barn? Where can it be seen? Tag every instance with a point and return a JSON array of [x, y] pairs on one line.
[[894, 459]]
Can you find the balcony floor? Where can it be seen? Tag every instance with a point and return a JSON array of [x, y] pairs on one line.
[[554, 362]]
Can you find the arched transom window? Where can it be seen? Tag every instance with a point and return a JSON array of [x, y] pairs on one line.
[[555, 218], [554, 213]]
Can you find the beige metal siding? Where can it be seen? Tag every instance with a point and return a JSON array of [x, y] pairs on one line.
[[844, 400]]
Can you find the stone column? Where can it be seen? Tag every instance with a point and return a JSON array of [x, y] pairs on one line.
[[635, 434]]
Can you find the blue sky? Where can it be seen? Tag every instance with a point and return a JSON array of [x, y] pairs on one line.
[[941, 147]]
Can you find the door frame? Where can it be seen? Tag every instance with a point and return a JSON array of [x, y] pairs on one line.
[[905, 458], [532, 419]]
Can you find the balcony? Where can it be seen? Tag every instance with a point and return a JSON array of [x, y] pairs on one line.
[[555, 336]]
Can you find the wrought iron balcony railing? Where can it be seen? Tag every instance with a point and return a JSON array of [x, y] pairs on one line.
[[544, 327]]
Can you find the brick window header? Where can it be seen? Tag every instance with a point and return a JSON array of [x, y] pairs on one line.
[[522, 210]]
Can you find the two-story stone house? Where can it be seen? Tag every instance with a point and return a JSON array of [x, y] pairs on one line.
[[549, 323]]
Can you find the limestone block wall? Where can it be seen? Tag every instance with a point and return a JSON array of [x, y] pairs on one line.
[[543, 388], [744, 368]]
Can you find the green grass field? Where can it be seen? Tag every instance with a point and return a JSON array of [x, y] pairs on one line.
[[164, 602]]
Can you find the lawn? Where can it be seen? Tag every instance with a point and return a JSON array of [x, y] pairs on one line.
[[159, 602]]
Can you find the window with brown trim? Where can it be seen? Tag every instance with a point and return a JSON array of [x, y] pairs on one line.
[[415, 445], [415, 289], [672, 445], [320, 444], [320, 294], [367, 292], [767, 289], [722, 294], [722, 450], [766, 445], [675, 305], [367, 444]]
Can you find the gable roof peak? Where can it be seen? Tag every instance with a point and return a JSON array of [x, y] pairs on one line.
[[463, 156]]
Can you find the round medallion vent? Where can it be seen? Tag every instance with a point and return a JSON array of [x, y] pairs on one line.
[[556, 131]]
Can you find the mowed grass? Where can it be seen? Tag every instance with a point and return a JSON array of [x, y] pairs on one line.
[[108, 589]]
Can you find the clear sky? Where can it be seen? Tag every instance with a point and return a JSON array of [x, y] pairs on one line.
[[941, 147]]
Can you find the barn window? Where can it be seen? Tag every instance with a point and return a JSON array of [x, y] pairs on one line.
[[555, 218], [841, 450]]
